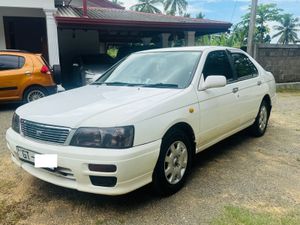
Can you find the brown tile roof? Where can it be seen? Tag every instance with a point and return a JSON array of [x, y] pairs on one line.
[[117, 14], [106, 4], [109, 16]]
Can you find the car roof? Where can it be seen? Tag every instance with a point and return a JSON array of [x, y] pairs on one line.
[[194, 48]]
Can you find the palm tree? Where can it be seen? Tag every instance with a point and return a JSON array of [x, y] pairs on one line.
[[147, 6], [175, 6], [287, 29], [200, 15]]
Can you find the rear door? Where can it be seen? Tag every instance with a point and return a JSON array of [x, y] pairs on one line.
[[12, 73], [249, 85], [219, 112]]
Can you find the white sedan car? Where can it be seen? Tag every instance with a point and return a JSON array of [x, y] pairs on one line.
[[144, 120]]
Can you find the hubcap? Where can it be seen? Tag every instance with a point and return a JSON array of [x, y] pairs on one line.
[[263, 118], [175, 162], [35, 95]]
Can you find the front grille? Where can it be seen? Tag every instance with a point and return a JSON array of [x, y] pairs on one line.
[[44, 132]]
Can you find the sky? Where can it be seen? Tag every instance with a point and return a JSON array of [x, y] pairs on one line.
[[231, 10]]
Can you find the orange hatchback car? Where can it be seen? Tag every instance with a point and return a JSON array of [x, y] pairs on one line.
[[26, 77]]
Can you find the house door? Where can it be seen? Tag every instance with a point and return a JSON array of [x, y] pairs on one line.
[[26, 33]]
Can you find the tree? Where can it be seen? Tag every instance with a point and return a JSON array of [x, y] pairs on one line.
[[175, 6], [200, 15], [117, 2], [188, 15], [265, 14], [147, 6], [287, 29]]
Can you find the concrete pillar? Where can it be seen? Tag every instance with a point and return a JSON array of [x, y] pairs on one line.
[[2, 35], [102, 48], [165, 39], [146, 40], [189, 38], [53, 49]]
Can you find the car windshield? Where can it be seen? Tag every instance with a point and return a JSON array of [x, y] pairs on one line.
[[157, 70]]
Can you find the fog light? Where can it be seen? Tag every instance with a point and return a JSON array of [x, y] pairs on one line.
[[103, 181], [102, 168]]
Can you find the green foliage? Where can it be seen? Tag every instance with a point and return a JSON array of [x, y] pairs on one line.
[[234, 215], [172, 7], [200, 15], [147, 6], [287, 30]]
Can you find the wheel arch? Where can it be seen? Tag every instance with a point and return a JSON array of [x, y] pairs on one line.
[[267, 99], [187, 129], [31, 86]]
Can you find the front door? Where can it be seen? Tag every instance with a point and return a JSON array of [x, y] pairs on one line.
[[11, 75], [218, 106], [251, 91]]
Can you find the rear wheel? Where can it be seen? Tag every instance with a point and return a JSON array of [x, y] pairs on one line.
[[259, 127], [34, 93], [174, 163]]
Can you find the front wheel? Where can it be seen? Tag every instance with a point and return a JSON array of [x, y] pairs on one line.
[[174, 163], [259, 127], [34, 93]]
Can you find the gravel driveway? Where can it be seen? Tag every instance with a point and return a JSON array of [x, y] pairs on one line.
[[260, 174]]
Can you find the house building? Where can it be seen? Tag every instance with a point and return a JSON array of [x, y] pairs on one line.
[[64, 29]]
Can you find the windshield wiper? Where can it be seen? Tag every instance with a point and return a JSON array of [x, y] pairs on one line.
[[115, 84], [161, 85]]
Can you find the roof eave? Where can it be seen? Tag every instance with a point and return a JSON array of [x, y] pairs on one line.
[[88, 21]]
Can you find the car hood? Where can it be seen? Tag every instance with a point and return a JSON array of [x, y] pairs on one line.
[[73, 108]]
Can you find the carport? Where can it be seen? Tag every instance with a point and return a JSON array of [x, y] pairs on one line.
[[92, 30]]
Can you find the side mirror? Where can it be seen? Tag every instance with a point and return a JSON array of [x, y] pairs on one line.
[[214, 81], [56, 74]]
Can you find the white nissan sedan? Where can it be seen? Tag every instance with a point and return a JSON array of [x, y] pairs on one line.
[[144, 120]]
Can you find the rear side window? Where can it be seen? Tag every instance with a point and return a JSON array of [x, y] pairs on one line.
[[217, 63], [11, 62], [243, 66]]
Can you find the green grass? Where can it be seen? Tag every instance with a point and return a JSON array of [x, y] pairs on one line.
[[240, 216]]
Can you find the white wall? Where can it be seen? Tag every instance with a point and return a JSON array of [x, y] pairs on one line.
[[45, 4], [21, 12]]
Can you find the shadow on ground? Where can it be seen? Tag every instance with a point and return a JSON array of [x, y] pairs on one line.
[[9, 106], [142, 196]]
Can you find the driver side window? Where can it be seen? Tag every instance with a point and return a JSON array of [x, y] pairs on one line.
[[217, 63]]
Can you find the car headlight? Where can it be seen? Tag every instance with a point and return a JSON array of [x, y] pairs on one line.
[[15, 125], [116, 137]]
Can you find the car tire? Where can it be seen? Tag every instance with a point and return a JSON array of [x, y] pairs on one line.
[[174, 163], [34, 93], [57, 74], [259, 127]]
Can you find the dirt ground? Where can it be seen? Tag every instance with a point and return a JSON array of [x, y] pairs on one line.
[[259, 174]]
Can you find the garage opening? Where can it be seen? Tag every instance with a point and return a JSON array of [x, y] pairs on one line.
[[26, 33]]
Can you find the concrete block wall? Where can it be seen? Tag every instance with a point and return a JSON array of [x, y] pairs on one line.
[[282, 60]]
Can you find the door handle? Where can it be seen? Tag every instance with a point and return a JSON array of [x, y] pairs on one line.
[[27, 73], [259, 83], [235, 90]]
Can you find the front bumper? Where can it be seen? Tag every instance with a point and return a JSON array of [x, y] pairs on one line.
[[134, 166]]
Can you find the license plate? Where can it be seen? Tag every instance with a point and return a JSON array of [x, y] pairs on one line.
[[26, 155]]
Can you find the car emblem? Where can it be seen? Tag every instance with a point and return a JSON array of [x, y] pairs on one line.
[[39, 133]]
